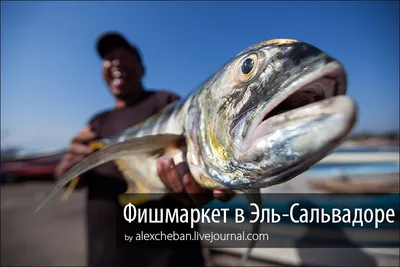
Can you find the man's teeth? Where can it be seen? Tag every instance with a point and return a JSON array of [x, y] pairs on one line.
[[117, 77], [116, 74], [117, 82]]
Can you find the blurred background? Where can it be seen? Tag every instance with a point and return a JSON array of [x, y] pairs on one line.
[[51, 86]]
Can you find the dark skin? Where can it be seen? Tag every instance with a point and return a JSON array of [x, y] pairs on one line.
[[122, 73]]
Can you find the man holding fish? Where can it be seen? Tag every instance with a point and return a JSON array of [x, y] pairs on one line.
[[269, 114], [122, 71]]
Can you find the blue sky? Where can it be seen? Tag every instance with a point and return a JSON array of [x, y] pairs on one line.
[[50, 73]]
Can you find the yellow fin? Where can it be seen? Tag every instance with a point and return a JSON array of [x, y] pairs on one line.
[[136, 200], [135, 146]]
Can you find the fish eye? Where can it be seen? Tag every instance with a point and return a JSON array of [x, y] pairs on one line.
[[247, 66]]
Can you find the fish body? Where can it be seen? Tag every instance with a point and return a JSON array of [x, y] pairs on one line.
[[266, 116]]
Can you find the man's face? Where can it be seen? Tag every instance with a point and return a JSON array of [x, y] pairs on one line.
[[122, 72]]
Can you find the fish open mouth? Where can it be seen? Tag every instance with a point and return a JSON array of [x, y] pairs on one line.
[[309, 89], [316, 91]]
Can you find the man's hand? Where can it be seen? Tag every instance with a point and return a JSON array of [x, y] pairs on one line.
[[77, 150], [178, 179]]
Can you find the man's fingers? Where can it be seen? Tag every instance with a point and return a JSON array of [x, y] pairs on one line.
[[75, 159], [165, 170], [199, 195], [182, 168], [79, 149], [178, 179], [69, 161], [223, 195], [85, 130], [84, 137], [191, 186], [86, 134], [169, 176], [76, 151], [172, 175]]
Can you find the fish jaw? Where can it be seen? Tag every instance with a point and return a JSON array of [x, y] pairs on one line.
[[326, 82], [292, 142]]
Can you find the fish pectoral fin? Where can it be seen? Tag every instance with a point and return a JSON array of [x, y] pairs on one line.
[[134, 146], [134, 185], [95, 145], [139, 191]]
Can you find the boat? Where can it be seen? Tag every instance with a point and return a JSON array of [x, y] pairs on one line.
[[28, 164]]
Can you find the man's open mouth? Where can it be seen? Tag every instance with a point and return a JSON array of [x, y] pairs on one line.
[[313, 87], [118, 76]]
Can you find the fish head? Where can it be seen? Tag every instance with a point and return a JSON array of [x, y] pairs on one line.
[[272, 112]]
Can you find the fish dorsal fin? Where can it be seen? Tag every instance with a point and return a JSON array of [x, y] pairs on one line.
[[136, 146]]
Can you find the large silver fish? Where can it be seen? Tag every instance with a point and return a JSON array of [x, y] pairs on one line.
[[266, 116]]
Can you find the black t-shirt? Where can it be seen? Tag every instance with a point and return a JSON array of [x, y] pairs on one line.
[[104, 215]]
